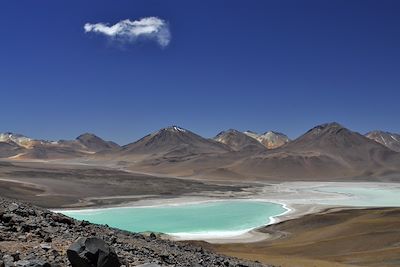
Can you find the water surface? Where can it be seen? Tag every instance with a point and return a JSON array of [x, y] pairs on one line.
[[363, 196], [211, 218]]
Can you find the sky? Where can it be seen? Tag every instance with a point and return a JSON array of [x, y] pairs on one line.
[[123, 69]]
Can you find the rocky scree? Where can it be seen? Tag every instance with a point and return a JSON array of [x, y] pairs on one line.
[[33, 236]]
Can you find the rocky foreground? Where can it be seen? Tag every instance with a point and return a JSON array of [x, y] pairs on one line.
[[32, 236]]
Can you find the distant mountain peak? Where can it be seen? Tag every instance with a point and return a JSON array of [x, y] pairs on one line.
[[332, 127], [175, 128], [334, 137], [10, 135], [223, 134], [94, 143], [329, 125], [382, 132], [173, 141], [86, 135], [238, 141], [228, 131], [18, 139], [390, 140], [269, 139], [333, 124]]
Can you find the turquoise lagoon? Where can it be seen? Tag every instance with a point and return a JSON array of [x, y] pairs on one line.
[[224, 218]]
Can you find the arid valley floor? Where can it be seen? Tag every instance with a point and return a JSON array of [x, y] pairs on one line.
[[176, 166], [322, 237]]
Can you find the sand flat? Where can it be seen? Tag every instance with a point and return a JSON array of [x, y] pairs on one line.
[[361, 237]]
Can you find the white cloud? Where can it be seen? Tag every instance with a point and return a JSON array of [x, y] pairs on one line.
[[131, 30]]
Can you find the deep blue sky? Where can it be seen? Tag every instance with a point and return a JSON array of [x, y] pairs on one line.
[[258, 65]]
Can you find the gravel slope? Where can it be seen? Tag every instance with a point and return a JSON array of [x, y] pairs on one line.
[[29, 234]]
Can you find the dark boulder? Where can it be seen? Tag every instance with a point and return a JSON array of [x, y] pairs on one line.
[[153, 236], [92, 252], [62, 219]]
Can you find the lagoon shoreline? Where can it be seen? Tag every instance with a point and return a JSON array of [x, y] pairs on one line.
[[103, 188], [297, 198]]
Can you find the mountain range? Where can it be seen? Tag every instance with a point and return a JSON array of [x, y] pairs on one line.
[[17, 146], [327, 151]]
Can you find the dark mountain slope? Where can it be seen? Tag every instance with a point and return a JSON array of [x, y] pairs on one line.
[[325, 151], [94, 143], [173, 141]]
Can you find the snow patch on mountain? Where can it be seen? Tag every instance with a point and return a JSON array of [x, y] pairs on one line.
[[19, 139], [269, 139]]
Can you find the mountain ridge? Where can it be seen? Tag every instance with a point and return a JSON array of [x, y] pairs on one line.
[[270, 139], [173, 139], [18, 146], [238, 141], [388, 139], [326, 151]]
